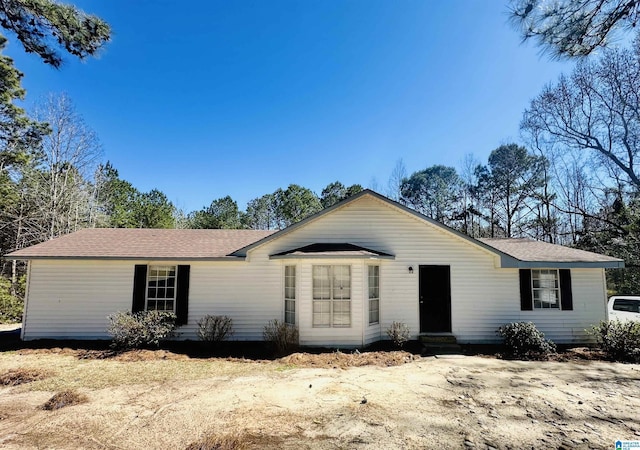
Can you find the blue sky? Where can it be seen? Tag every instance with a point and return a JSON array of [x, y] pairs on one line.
[[243, 97]]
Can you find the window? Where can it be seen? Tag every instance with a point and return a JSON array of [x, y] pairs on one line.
[[374, 294], [545, 288], [161, 288], [548, 289], [331, 296], [290, 295], [627, 305]]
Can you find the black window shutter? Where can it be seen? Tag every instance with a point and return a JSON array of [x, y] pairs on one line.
[[526, 299], [566, 296], [139, 288], [182, 295]]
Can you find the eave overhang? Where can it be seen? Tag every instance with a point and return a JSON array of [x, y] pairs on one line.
[[332, 251]]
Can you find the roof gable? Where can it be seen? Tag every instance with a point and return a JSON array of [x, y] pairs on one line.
[[384, 200], [510, 252]]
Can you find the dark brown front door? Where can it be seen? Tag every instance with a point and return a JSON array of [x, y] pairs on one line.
[[435, 299]]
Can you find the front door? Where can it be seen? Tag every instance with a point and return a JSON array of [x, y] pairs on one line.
[[435, 299]]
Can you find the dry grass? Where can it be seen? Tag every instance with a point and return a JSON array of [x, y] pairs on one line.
[[71, 369], [64, 398], [164, 400], [216, 442], [15, 377]]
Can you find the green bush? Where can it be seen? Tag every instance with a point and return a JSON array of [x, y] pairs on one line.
[[215, 329], [141, 329], [620, 341], [523, 340], [11, 306], [399, 333], [283, 337]]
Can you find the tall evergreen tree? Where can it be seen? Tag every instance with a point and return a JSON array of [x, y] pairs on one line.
[[222, 213], [434, 191], [573, 27]]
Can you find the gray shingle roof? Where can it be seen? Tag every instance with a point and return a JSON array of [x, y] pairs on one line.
[[136, 243], [109, 243], [530, 250]]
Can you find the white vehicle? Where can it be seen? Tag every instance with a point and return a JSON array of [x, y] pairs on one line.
[[624, 307]]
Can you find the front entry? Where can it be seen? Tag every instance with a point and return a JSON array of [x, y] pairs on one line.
[[435, 299]]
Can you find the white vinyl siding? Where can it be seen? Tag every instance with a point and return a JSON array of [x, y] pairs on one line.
[[290, 295], [483, 296], [72, 298]]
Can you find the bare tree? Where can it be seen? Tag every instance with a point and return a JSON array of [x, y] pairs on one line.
[[595, 110], [469, 198], [58, 188], [394, 185]]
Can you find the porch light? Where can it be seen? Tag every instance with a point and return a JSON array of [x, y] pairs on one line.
[[410, 269]]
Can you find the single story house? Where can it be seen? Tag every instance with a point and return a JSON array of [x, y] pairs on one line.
[[342, 276]]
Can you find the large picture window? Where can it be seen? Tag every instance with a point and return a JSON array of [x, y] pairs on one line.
[[331, 296], [161, 288], [545, 285], [290, 295], [374, 294]]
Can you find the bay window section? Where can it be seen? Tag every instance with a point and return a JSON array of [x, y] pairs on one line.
[[374, 294], [331, 296], [290, 295]]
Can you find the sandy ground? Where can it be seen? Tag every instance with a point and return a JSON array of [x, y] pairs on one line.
[[464, 402]]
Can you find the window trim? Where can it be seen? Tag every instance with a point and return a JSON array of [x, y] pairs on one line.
[[287, 298], [331, 301], [369, 298], [557, 289], [566, 290], [174, 299]]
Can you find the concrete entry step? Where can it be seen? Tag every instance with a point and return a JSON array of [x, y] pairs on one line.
[[426, 338], [440, 344]]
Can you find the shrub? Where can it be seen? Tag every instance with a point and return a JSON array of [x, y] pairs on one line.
[[282, 336], [141, 329], [215, 329], [523, 340], [11, 306], [399, 333], [620, 341]]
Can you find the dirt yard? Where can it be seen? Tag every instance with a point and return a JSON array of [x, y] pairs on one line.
[[162, 400]]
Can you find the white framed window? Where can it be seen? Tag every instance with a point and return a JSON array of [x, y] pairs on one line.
[[290, 295], [161, 288], [374, 294], [545, 287], [331, 296]]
